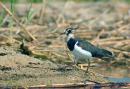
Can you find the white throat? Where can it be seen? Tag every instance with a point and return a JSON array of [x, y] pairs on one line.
[[70, 36]]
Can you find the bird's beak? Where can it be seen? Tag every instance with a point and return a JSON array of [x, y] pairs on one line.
[[77, 27], [62, 33]]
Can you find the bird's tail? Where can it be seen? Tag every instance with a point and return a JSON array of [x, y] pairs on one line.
[[107, 55]]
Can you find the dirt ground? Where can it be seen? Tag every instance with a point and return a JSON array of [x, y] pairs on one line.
[[45, 60], [22, 70]]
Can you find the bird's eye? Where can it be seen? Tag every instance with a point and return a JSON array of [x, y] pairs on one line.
[[69, 30]]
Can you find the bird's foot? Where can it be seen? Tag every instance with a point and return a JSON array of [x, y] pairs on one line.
[[76, 66], [82, 66]]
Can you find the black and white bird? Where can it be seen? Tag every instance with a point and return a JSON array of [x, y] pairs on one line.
[[82, 50]]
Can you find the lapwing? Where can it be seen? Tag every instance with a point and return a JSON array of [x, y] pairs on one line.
[[84, 51]]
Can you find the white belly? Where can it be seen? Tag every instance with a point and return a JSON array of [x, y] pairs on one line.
[[81, 55]]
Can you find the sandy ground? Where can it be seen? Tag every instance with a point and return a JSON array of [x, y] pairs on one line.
[[19, 69]]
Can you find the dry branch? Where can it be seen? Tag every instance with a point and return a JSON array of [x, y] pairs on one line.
[[14, 18]]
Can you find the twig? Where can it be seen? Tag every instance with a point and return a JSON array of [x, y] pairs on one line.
[[60, 17], [98, 36], [42, 11], [112, 39], [110, 42], [14, 18], [97, 17], [123, 27], [119, 51], [11, 40]]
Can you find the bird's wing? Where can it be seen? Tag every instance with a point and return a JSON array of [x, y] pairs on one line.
[[95, 51]]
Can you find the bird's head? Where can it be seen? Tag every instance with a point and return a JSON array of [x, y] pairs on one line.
[[69, 31]]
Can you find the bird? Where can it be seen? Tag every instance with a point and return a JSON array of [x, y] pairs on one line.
[[83, 50]]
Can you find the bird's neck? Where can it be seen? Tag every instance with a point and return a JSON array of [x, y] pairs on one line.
[[70, 36]]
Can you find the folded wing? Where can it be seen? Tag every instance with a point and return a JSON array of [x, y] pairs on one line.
[[96, 51]]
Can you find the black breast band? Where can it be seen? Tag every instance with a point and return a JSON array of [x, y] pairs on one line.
[[71, 44]]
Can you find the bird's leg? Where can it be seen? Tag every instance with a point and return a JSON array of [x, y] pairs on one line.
[[88, 66], [76, 64]]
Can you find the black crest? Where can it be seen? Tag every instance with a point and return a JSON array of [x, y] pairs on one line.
[[68, 31]]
